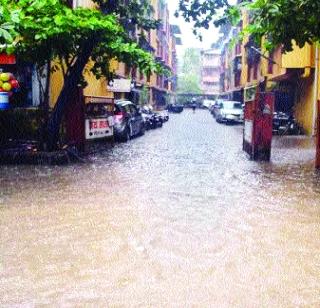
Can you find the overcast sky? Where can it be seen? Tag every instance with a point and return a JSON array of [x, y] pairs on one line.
[[188, 38]]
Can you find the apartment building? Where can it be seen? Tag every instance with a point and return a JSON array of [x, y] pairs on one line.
[[128, 82], [210, 72], [290, 76]]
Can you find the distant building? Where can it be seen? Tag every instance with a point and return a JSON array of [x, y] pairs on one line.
[[210, 72]]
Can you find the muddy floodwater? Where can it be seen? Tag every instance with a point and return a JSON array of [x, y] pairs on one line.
[[177, 218]]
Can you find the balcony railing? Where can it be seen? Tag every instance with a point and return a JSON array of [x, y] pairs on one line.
[[145, 44]]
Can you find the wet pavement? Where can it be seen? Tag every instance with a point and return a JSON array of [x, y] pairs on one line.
[[179, 217]]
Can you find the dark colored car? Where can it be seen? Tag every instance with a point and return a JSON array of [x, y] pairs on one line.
[[128, 121], [175, 108]]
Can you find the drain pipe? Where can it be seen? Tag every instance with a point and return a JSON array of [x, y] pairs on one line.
[[315, 93]]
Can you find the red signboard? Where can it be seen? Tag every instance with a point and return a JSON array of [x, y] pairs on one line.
[[258, 126], [98, 128], [7, 59]]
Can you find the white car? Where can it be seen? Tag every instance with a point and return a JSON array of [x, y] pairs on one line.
[[230, 112]]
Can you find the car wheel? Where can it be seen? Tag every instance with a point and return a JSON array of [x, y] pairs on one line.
[[126, 135], [218, 120], [142, 130]]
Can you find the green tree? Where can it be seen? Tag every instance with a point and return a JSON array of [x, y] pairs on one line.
[[281, 21], [190, 72], [45, 30]]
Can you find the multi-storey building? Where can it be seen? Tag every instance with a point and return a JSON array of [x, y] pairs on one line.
[[210, 72], [231, 67], [130, 82], [290, 76]]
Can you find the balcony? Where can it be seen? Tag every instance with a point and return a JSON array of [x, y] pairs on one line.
[[145, 44]]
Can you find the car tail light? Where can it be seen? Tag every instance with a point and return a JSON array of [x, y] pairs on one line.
[[118, 117]]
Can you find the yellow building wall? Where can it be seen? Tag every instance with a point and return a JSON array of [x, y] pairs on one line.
[[299, 57], [95, 87], [304, 104], [56, 83]]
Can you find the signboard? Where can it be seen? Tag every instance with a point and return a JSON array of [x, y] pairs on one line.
[[97, 128], [98, 100], [120, 85], [7, 59], [257, 135], [249, 94]]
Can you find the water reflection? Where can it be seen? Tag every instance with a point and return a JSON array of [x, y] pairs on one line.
[[179, 217]]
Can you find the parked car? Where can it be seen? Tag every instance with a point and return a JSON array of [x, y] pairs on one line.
[[208, 103], [128, 121], [176, 108], [147, 118], [214, 108], [229, 112]]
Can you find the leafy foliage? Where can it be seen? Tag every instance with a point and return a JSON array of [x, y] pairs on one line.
[[8, 21], [189, 72], [40, 31], [136, 12], [203, 13], [50, 29], [281, 21], [285, 21]]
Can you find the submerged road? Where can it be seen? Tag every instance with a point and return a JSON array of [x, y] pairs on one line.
[[179, 217]]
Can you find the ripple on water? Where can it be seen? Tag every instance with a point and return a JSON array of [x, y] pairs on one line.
[[178, 217]]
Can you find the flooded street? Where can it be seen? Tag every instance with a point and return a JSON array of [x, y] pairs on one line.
[[179, 217]]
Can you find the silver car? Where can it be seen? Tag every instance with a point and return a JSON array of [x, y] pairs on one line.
[[230, 112]]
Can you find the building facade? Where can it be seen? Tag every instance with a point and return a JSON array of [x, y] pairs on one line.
[[153, 89], [210, 72], [290, 76]]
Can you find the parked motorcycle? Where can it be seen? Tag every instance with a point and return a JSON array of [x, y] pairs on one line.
[[285, 124], [152, 119]]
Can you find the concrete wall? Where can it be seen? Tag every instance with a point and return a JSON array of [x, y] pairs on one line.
[[304, 103]]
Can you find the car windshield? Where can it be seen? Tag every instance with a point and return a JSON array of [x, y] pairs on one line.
[[231, 105]]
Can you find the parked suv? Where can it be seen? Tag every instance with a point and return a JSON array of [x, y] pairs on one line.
[[128, 121]]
